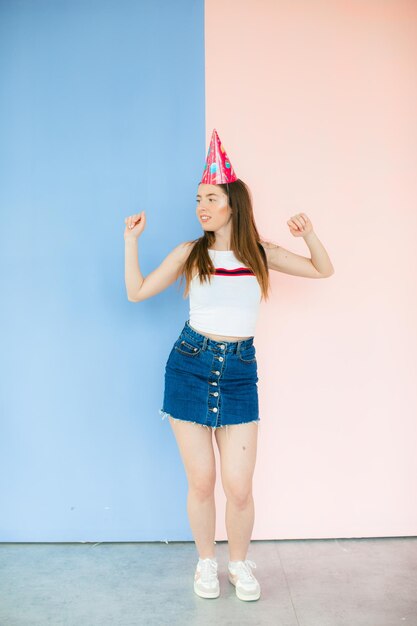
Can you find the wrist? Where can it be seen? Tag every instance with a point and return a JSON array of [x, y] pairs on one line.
[[310, 235]]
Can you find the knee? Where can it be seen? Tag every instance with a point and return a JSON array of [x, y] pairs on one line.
[[202, 486], [238, 494]]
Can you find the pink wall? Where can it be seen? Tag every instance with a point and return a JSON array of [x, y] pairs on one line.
[[316, 103]]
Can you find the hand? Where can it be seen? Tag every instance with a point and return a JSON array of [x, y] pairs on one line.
[[300, 225], [135, 225]]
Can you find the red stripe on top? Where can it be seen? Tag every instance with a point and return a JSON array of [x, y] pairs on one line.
[[237, 271]]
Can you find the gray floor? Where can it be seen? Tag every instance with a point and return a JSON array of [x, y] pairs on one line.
[[330, 582]]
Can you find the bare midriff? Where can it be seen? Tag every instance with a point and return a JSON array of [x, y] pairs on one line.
[[219, 337]]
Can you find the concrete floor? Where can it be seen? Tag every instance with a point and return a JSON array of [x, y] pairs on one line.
[[330, 582]]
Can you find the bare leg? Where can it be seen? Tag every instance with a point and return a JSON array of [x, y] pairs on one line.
[[195, 444], [237, 450]]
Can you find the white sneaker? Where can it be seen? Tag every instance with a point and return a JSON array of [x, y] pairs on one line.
[[240, 575], [206, 582]]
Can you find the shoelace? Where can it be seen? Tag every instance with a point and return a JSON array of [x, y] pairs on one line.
[[243, 570], [208, 570]]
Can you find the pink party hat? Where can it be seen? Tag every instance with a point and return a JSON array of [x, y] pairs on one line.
[[218, 168]]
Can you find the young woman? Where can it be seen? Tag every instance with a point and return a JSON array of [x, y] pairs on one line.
[[211, 372]]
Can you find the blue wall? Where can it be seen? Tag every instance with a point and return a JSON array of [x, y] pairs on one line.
[[102, 115]]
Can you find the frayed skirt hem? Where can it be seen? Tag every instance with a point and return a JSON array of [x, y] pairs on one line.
[[164, 414]]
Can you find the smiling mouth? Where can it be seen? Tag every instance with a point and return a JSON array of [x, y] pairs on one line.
[[205, 218]]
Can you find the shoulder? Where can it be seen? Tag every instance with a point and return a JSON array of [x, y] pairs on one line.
[[183, 250], [267, 245], [271, 253]]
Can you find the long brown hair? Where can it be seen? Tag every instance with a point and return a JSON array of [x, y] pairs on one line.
[[245, 241]]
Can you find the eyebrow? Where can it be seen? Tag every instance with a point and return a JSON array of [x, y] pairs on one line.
[[209, 194]]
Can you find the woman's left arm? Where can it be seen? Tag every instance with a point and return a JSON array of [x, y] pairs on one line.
[[283, 260]]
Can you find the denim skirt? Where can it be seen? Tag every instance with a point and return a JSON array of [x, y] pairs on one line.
[[211, 383]]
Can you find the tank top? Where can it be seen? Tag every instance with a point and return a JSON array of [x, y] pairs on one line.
[[229, 305]]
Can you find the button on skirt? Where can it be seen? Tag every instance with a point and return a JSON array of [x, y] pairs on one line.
[[211, 383]]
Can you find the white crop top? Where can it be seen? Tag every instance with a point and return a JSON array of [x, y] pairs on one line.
[[229, 305]]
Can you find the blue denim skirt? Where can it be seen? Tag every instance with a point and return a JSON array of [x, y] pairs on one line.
[[211, 383]]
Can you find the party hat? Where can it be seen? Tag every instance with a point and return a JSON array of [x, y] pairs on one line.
[[218, 168]]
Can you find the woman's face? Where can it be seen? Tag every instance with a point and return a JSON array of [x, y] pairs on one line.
[[212, 202]]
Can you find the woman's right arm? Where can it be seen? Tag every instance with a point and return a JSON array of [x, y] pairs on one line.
[[139, 288]]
